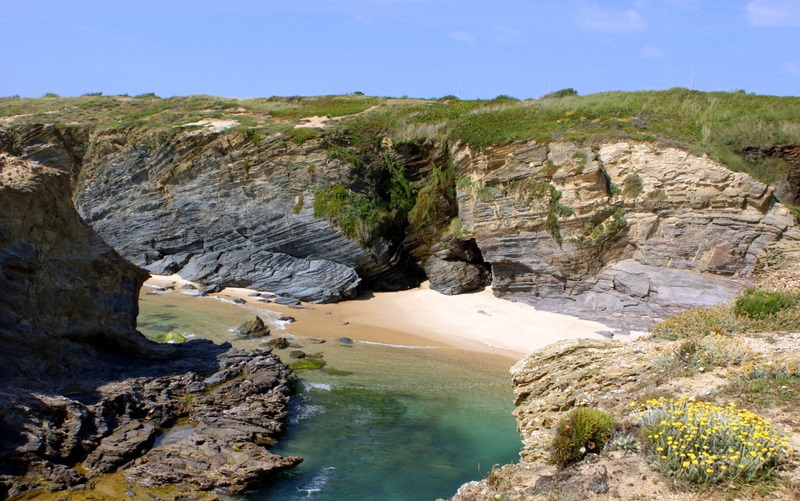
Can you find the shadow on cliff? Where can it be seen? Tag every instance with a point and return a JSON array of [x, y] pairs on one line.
[[75, 366]]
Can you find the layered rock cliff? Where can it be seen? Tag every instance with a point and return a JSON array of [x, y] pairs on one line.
[[225, 209], [621, 232], [626, 232], [82, 393], [61, 286]]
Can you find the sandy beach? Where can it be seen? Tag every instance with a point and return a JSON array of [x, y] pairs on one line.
[[422, 317]]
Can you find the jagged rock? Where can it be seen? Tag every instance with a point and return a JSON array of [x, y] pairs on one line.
[[226, 449], [455, 277], [624, 233], [253, 328], [126, 443], [250, 232], [78, 383]]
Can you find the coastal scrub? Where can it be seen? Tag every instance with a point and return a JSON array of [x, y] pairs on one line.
[[582, 431], [704, 443]]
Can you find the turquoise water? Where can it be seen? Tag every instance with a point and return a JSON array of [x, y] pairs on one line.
[[402, 424]]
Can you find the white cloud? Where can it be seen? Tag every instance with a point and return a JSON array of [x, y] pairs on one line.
[[792, 68], [595, 18], [781, 13], [462, 36], [652, 52]]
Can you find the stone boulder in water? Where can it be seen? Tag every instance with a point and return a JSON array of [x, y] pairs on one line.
[[253, 328]]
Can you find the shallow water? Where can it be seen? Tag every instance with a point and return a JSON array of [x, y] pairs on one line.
[[403, 424]]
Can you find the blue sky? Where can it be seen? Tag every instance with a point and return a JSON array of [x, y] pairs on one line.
[[415, 48]]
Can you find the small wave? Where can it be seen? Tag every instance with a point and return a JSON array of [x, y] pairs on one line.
[[281, 324], [410, 347], [319, 386], [305, 411], [318, 482], [225, 300], [190, 292]]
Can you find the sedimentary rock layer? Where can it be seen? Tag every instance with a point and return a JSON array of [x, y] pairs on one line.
[[624, 233], [80, 387]]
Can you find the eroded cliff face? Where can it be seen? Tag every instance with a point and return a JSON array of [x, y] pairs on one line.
[[225, 209], [624, 233], [60, 283], [83, 394]]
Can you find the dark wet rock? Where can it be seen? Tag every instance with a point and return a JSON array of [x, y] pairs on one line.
[[284, 318], [254, 294], [312, 340], [226, 450], [239, 300], [297, 354], [126, 443], [253, 328], [280, 343], [345, 341], [188, 287]]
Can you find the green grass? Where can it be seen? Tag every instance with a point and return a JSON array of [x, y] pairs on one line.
[[719, 124], [761, 304], [771, 384]]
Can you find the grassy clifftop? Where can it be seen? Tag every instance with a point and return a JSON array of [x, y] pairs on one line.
[[718, 123]]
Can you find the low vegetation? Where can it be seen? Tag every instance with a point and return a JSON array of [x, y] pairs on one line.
[[720, 124], [581, 431], [716, 418], [703, 443]]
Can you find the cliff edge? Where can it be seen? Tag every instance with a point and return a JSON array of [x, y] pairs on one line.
[[84, 394]]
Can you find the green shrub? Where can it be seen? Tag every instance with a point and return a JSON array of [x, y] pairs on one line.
[[353, 213], [760, 304], [300, 135], [582, 431], [703, 443], [632, 186], [568, 92]]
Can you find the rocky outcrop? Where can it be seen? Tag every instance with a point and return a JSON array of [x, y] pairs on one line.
[[227, 419], [59, 282], [573, 373], [787, 189], [82, 393], [253, 328], [623, 233], [456, 266], [225, 208]]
